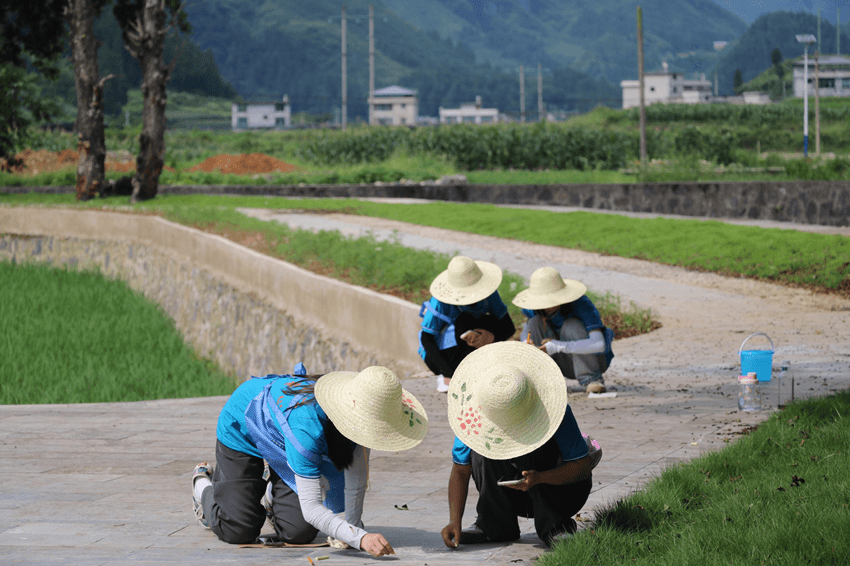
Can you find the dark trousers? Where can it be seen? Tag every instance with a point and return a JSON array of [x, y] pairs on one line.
[[233, 505], [451, 357], [551, 506]]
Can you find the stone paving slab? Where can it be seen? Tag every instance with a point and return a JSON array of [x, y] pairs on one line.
[[109, 483]]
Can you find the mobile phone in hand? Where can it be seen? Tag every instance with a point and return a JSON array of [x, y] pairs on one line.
[[506, 483], [468, 334]]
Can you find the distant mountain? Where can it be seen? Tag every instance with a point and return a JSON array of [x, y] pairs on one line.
[[751, 10], [270, 48], [752, 51], [453, 50], [598, 37]]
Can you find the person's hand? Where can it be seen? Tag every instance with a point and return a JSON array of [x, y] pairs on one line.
[[451, 535], [531, 478], [481, 338], [555, 347], [376, 545]]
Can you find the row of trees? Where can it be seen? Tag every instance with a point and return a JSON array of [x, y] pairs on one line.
[[35, 33]]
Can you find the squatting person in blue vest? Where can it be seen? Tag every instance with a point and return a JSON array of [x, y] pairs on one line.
[[315, 432], [465, 312], [564, 323]]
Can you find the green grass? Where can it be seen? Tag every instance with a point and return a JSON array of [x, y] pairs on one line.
[[779, 496], [790, 257], [77, 337]]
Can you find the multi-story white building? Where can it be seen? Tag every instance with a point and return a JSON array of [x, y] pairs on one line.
[[394, 106], [253, 115], [666, 87], [469, 113], [833, 76]]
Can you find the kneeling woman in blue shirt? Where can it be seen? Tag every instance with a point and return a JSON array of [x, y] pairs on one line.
[[315, 432]]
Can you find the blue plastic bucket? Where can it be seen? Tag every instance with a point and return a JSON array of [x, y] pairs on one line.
[[759, 361]]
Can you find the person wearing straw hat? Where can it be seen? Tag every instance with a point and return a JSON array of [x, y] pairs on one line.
[[564, 323], [315, 432], [465, 312], [516, 436]]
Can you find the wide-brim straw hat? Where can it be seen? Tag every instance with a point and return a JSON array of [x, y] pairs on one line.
[[547, 289], [466, 281], [506, 399], [371, 408]]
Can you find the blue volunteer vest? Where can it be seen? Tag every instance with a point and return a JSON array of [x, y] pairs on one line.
[[270, 443]]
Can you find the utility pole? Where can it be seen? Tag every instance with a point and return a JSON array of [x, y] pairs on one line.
[[819, 43], [838, 32], [541, 114], [344, 78], [521, 95], [817, 104], [371, 58], [641, 86]]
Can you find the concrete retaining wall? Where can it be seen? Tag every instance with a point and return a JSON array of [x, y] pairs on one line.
[[251, 313], [805, 202]]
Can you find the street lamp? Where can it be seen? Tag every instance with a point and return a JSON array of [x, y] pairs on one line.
[[806, 40], [718, 46]]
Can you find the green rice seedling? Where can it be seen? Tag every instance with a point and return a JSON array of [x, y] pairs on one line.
[[77, 337]]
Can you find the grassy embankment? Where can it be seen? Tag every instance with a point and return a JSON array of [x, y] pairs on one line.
[[779, 496]]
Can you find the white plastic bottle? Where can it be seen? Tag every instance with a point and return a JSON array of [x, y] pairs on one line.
[[784, 375]]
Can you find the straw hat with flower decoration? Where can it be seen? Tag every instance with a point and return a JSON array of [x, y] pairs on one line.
[[371, 409], [506, 399]]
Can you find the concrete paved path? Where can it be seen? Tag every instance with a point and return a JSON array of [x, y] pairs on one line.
[[110, 483]]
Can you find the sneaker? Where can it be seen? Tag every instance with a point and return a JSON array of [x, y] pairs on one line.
[[595, 387], [201, 470], [267, 504], [441, 384]]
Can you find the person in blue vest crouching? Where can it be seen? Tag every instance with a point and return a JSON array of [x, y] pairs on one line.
[[315, 433], [465, 312], [564, 323]]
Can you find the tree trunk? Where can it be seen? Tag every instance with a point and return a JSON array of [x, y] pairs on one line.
[[91, 143], [147, 48]]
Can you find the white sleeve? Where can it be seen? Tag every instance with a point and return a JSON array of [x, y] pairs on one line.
[[315, 513], [356, 482], [593, 344]]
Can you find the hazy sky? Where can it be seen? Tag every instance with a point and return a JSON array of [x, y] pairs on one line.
[[750, 10]]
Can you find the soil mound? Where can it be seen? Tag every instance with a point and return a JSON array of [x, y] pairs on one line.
[[243, 164], [41, 160]]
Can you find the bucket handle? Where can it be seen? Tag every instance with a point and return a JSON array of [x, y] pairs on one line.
[[741, 349]]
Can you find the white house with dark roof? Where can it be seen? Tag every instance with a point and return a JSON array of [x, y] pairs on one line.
[[469, 113], [666, 87], [394, 106], [255, 115], [833, 76]]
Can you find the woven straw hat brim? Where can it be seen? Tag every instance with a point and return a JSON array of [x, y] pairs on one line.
[[528, 299], [470, 422], [363, 423], [447, 293]]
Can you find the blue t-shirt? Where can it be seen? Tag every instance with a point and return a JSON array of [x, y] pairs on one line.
[[433, 324], [306, 423], [568, 436]]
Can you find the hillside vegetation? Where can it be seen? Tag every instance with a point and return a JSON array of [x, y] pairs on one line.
[[751, 52]]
